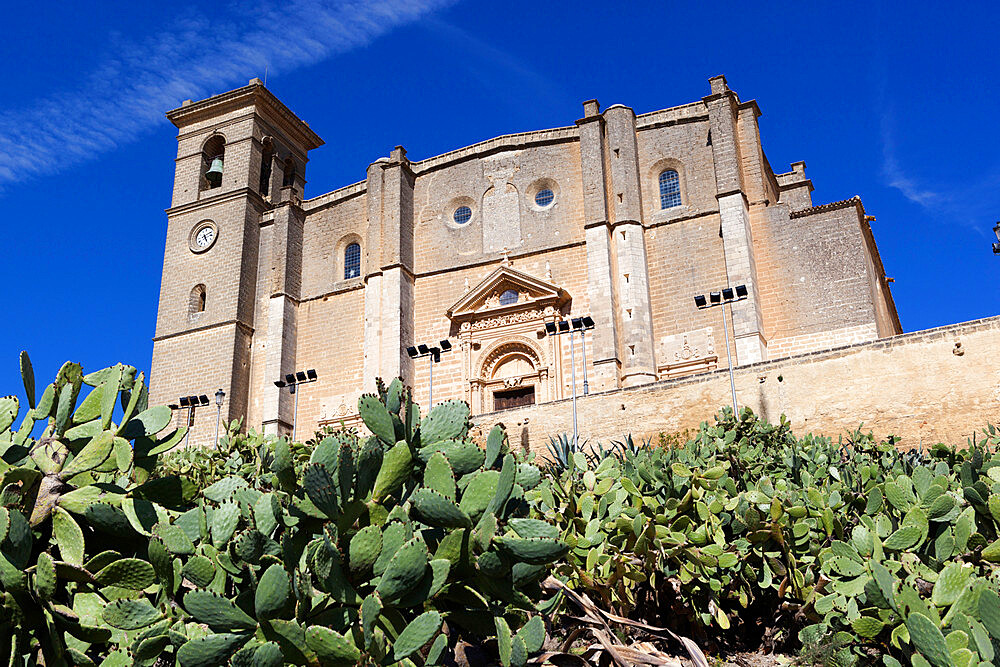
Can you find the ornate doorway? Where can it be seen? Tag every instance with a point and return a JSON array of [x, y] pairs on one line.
[[501, 322]]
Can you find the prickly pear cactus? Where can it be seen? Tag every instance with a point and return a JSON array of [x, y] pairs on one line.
[[76, 508]]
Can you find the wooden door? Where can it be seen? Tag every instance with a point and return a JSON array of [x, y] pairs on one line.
[[506, 399]]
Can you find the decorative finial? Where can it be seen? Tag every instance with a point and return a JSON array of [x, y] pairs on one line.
[[548, 271], [506, 256]]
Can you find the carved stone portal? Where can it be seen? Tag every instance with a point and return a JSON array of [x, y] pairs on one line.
[[687, 353], [507, 360]]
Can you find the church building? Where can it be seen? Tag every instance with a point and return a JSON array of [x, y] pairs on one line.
[[508, 269]]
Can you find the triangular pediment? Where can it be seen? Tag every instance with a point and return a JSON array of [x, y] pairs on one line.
[[487, 298]]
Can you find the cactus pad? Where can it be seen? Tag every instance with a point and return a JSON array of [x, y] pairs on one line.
[[130, 614], [132, 573], [210, 651], [377, 418], [272, 593], [366, 545], [533, 528], [331, 647], [397, 463], [535, 551], [216, 611], [404, 571], [439, 476], [319, 486], [928, 639], [414, 636], [436, 510], [199, 570], [445, 421]]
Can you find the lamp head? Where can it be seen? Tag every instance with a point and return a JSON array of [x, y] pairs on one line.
[[423, 349], [412, 351], [290, 378], [577, 322], [203, 400], [588, 322], [279, 384], [715, 297], [700, 301], [185, 401], [550, 328], [220, 396], [300, 376], [727, 293], [741, 291], [563, 326], [311, 374], [445, 345]]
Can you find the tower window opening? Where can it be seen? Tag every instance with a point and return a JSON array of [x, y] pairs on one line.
[[289, 176], [266, 158], [352, 261], [508, 297], [213, 158], [196, 303], [670, 189]]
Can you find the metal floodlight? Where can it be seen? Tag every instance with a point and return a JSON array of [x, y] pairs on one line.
[[577, 322], [550, 328], [422, 348], [185, 401], [311, 373], [300, 376], [173, 406], [588, 322], [203, 400], [445, 345], [280, 384], [741, 291], [412, 351], [700, 301], [727, 293], [290, 378], [715, 297], [563, 326], [435, 353]]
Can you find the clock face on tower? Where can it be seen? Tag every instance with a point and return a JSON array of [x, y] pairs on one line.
[[203, 236]]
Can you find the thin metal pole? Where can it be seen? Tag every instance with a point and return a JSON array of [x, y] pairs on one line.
[[187, 436], [729, 357], [295, 412], [583, 342], [430, 383], [218, 418], [572, 357]]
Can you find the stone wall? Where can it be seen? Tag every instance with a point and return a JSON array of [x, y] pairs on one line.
[[926, 387]]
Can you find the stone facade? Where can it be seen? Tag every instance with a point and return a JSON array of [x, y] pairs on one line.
[[485, 245], [936, 385]]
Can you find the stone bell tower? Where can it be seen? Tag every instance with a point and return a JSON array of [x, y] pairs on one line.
[[240, 155]]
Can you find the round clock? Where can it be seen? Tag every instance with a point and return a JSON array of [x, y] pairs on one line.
[[203, 236]]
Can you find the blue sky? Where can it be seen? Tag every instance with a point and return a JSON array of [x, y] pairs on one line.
[[895, 102]]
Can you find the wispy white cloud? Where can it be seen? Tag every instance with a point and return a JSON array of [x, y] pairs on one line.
[[894, 174], [195, 57]]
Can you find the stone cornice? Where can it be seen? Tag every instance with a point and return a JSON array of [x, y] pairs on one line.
[[239, 324], [854, 201], [254, 94], [252, 196]]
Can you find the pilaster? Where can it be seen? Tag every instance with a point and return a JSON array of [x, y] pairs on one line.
[[285, 276], [737, 237], [634, 312], [605, 357]]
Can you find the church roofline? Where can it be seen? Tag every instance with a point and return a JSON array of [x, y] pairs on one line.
[[691, 112], [252, 93]]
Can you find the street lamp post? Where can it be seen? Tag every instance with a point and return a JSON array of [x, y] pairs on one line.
[[580, 324], [189, 403], [292, 381], [728, 295], [433, 354], [220, 396]]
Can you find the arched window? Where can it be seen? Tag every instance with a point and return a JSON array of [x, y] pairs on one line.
[[352, 261], [196, 303], [508, 297], [266, 158], [289, 177], [670, 189], [213, 157]]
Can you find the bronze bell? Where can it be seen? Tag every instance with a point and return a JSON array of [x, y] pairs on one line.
[[214, 173]]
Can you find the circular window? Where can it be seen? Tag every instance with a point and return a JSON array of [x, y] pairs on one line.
[[462, 215], [544, 198], [203, 236], [508, 297]]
